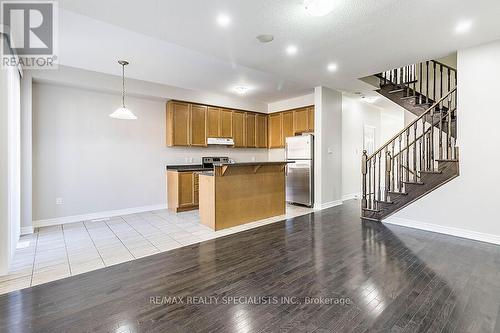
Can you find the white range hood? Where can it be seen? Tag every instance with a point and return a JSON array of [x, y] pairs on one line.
[[220, 141]]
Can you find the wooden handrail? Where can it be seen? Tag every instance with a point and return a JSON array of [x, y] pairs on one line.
[[444, 65], [412, 123]]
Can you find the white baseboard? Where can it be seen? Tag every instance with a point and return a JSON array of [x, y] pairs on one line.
[[328, 205], [27, 230], [457, 232], [351, 196], [94, 216]]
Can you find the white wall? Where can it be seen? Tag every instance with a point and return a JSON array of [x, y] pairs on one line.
[[291, 103], [467, 206], [355, 115], [80, 78], [96, 163], [10, 160], [26, 154], [328, 147]]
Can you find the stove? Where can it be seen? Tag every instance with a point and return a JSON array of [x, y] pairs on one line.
[[208, 162]]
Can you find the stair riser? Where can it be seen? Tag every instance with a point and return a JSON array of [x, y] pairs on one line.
[[431, 182]]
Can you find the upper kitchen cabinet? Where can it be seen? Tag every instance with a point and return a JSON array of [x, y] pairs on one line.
[[310, 118], [213, 122], [287, 126], [178, 124], [198, 125], [261, 130], [239, 129], [226, 123], [190, 124], [275, 131], [251, 140], [300, 120]]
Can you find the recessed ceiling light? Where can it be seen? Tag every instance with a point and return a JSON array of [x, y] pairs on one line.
[[291, 50], [463, 26], [332, 67], [319, 7], [241, 89], [265, 38], [223, 20], [370, 99]]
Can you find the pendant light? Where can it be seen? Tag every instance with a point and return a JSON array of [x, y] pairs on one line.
[[123, 113]]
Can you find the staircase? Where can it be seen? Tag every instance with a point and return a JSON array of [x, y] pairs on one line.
[[421, 157]]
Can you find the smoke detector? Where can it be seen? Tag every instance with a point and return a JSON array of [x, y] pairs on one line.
[[265, 38]]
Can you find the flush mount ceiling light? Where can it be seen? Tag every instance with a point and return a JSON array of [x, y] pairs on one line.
[[123, 113], [463, 26], [319, 7], [265, 38], [223, 20], [291, 50], [241, 90], [332, 67], [370, 99]]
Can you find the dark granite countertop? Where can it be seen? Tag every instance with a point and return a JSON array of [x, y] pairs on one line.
[[206, 173], [188, 167], [253, 163]]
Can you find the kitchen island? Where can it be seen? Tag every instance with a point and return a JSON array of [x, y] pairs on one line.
[[239, 193]]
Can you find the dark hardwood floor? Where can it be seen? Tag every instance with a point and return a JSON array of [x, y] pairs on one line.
[[376, 278]]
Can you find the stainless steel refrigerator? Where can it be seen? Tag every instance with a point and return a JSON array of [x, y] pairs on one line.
[[300, 173]]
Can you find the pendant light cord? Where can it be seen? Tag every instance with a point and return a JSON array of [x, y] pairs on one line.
[[123, 85]]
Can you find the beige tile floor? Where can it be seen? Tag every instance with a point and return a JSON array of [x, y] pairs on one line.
[[57, 252]]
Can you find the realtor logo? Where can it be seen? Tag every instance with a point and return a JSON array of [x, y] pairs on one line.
[[30, 27]]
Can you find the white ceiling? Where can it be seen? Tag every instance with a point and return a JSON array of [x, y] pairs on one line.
[[186, 48]]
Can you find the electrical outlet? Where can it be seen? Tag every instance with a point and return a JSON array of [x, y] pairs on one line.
[[59, 201]]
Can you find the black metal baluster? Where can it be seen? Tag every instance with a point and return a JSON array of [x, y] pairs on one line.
[[427, 82]]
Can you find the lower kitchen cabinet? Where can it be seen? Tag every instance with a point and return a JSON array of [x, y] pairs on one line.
[[182, 190]]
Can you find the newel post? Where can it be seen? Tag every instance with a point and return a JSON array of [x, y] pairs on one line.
[[364, 170]]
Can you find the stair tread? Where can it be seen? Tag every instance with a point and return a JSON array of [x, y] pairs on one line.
[[370, 219], [414, 183], [371, 210], [398, 193], [409, 97], [383, 201], [431, 172], [395, 91]]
